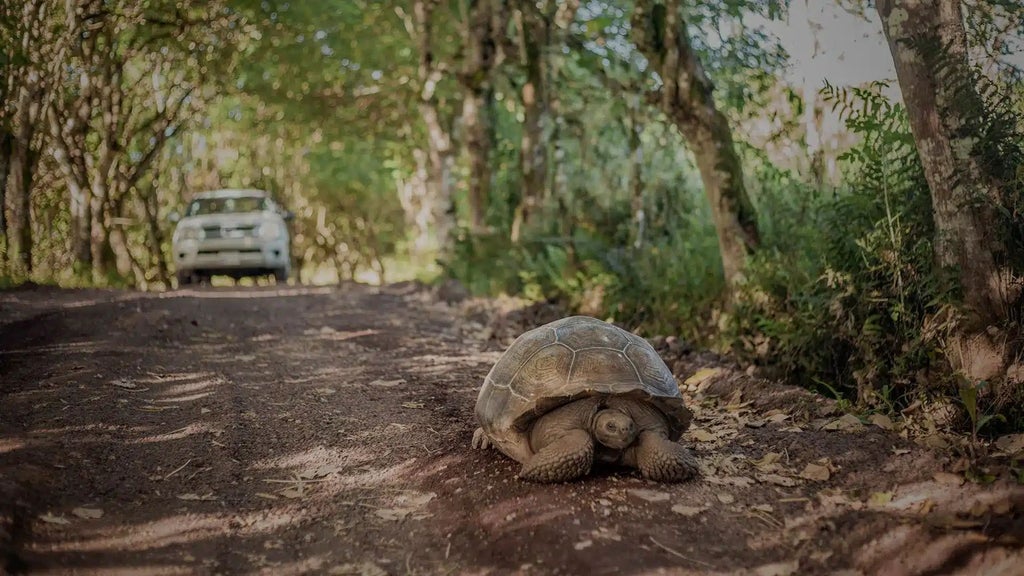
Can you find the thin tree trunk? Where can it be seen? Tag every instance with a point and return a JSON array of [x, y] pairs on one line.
[[541, 28], [150, 209], [480, 28], [476, 120], [963, 196], [534, 37], [99, 241], [18, 200], [686, 97], [439, 156], [6, 148], [636, 175]]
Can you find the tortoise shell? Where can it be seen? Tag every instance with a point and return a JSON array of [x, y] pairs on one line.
[[569, 359]]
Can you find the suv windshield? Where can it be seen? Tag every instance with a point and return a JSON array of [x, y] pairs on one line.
[[237, 205]]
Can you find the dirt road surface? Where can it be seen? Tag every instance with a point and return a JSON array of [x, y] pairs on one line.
[[327, 431]]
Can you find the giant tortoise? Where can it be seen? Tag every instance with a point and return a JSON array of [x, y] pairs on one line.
[[579, 390]]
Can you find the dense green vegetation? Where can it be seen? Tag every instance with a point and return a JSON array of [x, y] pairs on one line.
[[650, 162]]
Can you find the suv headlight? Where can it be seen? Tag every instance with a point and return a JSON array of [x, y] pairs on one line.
[[269, 231], [191, 233]]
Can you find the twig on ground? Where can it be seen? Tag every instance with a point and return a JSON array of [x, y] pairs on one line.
[[678, 554], [178, 469]]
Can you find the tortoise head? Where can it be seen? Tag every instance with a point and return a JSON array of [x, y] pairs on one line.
[[614, 428]]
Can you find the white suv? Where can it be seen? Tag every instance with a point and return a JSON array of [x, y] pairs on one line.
[[231, 232]]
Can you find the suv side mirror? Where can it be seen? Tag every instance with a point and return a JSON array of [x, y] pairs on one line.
[[173, 217], [288, 215]]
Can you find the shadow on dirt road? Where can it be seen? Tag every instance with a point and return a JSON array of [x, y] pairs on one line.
[[300, 430]]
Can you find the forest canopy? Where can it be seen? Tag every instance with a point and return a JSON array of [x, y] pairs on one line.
[[728, 171]]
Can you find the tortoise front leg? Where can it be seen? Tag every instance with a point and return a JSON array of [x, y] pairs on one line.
[[663, 460], [565, 459]]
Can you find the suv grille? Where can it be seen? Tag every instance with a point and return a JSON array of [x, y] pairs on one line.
[[215, 232]]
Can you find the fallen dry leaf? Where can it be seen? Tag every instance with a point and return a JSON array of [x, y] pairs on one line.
[[1011, 444], [934, 440], [701, 435], [879, 499], [762, 507], [767, 462], [583, 544], [726, 498], [688, 511], [649, 495], [979, 509], [88, 513], [606, 534], [412, 404], [701, 375], [882, 421], [817, 472], [54, 519], [408, 506], [846, 423]]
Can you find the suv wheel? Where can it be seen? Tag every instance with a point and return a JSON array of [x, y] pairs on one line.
[[184, 278], [281, 275]]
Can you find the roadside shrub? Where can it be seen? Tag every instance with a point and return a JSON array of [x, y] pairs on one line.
[[858, 310]]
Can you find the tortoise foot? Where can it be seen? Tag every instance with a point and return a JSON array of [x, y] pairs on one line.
[[480, 440], [662, 460], [568, 458]]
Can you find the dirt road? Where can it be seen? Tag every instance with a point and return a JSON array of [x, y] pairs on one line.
[[327, 431]]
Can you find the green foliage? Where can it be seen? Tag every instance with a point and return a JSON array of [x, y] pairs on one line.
[[856, 307]]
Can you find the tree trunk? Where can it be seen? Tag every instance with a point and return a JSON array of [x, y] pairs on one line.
[[19, 190], [532, 145], [636, 173], [963, 196], [541, 28], [439, 144], [6, 148], [150, 209], [476, 119], [479, 31], [100, 253], [686, 98], [81, 217], [18, 200]]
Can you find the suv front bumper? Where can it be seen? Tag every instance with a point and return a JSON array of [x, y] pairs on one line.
[[231, 254]]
